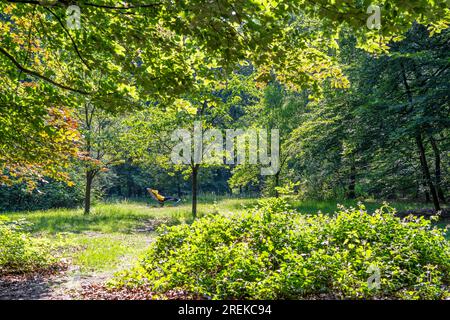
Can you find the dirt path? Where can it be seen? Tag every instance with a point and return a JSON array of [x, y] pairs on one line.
[[65, 285]]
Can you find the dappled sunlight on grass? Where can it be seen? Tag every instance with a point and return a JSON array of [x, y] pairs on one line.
[[106, 218], [123, 216], [101, 252]]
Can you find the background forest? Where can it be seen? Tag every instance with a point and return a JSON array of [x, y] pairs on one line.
[[385, 136]]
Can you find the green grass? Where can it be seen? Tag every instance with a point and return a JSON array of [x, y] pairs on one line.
[[101, 252], [104, 218], [122, 217], [127, 216], [105, 240], [108, 238]]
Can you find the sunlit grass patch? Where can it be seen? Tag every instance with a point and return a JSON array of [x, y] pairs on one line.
[[104, 218], [97, 252]]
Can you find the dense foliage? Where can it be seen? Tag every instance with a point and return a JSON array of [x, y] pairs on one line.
[[45, 195], [272, 252], [384, 137], [19, 253]]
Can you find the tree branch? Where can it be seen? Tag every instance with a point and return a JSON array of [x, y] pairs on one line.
[[82, 3], [38, 75], [25, 1], [133, 6], [71, 38]]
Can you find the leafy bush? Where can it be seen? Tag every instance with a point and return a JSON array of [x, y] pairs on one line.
[[272, 252], [18, 252]]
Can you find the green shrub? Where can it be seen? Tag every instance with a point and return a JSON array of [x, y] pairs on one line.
[[272, 252], [18, 252]]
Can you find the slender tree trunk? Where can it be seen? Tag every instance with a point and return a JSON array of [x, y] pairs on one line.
[[87, 194], [194, 190], [437, 169], [89, 113], [426, 171], [416, 196]]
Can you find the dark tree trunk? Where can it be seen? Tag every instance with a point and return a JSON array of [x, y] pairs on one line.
[[89, 114], [437, 169], [87, 195], [352, 183], [194, 190], [426, 171], [419, 142], [416, 196]]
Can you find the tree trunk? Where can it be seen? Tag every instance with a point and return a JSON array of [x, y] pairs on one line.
[[426, 171], [194, 190], [89, 113], [437, 169], [419, 142], [87, 194]]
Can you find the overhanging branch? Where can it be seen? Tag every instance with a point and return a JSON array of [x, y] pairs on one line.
[[82, 3], [133, 6], [74, 44], [38, 75]]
